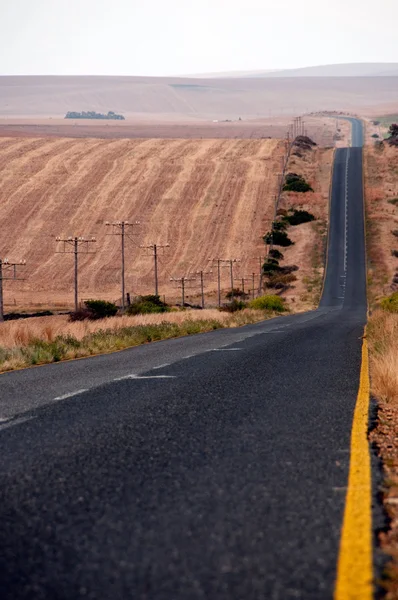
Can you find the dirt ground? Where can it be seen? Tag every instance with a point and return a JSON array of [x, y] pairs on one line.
[[381, 188], [309, 239]]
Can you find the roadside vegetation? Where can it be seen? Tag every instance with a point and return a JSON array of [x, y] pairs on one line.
[[381, 191], [44, 340], [91, 114]]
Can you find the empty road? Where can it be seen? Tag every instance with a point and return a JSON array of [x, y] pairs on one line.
[[211, 467]]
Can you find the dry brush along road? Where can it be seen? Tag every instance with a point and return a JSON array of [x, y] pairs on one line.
[[207, 467]]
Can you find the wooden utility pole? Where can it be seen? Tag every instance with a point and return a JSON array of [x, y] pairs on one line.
[[182, 281], [155, 248], [120, 228], [77, 243], [202, 287], [225, 262], [8, 271]]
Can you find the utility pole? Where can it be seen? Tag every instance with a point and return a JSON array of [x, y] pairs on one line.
[[77, 243], [202, 287], [155, 248], [242, 281], [182, 281], [8, 271], [120, 228], [225, 262], [253, 274]]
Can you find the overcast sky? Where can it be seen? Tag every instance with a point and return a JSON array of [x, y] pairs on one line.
[[168, 37]]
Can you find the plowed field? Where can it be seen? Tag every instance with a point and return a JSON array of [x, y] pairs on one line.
[[206, 198]]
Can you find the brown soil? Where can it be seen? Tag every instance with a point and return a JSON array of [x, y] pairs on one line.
[[381, 179], [309, 239]]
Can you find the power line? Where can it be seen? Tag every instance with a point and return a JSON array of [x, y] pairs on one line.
[[155, 248], [119, 228], [8, 271], [76, 243], [182, 281]]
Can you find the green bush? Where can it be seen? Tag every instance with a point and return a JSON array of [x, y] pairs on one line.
[[271, 302], [394, 253], [100, 309], [276, 254], [393, 201], [94, 309], [278, 238], [299, 216], [296, 183], [146, 305], [390, 303]]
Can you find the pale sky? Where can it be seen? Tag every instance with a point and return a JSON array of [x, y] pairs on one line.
[[171, 37]]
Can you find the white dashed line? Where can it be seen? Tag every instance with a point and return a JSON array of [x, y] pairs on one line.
[[11, 422], [225, 349], [161, 366], [144, 377], [70, 394]]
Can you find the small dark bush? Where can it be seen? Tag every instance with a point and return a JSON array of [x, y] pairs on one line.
[[375, 135], [288, 269], [101, 309], [146, 305], [395, 232], [299, 216], [393, 201], [278, 238], [279, 280], [271, 266], [296, 183], [236, 293], [233, 306], [276, 254], [394, 253], [80, 315]]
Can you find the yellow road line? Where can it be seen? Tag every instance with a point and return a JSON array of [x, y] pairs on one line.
[[355, 562]]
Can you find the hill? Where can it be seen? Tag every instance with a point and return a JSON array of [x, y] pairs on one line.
[[175, 98], [206, 198]]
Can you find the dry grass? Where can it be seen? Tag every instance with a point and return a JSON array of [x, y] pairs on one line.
[[50, 339], [382, 333]]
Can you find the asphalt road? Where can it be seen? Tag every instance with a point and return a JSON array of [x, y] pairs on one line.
[[211, 467]]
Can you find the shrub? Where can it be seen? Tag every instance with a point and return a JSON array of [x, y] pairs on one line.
[[276, 254], [233, 306], [271, 266], [394, 253], [299, 216], [101, 309], [278, 238], [395, 232], [80, 315], [375, 135], [146, 305], [271, 302], [393, 201], [236, 293], [281, 280], [296, 183], [390, 303]]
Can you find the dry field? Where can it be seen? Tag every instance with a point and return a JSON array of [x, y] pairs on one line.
[[381, 188], [320, 129], [200, 98], [206, 198]]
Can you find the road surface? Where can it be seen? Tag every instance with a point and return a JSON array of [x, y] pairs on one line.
[[212, 467]]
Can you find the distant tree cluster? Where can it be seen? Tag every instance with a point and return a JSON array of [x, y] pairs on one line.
[[91, 114]]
